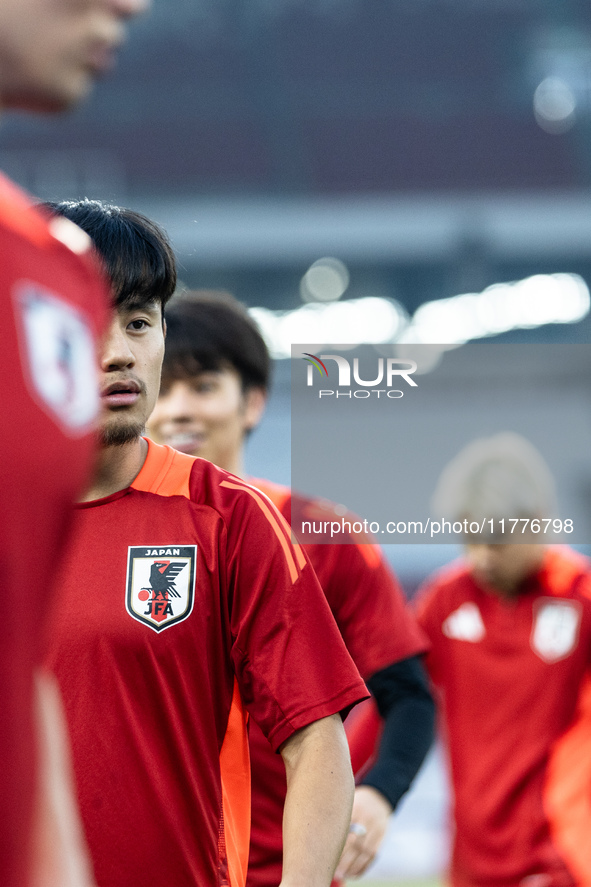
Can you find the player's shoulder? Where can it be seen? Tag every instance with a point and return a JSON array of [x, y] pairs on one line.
[[279, 494], [318, 520], [297, 506], [566, 573], [167, 472], [26, 222], [450, 581], [331, 559], [19, 218], [51, 257], [308, 506]]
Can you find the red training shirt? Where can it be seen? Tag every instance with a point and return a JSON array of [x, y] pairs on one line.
[[378, 629], [516, 698], [182, 602], [54, 304]]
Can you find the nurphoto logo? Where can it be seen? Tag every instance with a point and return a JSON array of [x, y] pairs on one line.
[[389, 371]]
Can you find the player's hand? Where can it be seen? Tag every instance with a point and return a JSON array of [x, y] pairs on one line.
[[369, 820]]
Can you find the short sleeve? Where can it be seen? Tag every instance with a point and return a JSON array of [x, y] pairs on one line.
[[371, 611], [289, 658]]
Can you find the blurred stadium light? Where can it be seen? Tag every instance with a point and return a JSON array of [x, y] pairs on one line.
[[561, 64], [555, 105], [325, 281], [524, 304], [372, 320]]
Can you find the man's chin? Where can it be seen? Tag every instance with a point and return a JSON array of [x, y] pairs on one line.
[[119, 435], [43, 99]]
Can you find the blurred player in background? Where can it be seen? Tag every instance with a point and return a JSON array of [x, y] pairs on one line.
[[510, 632], [214, 387], [54, 301], [182, 602]]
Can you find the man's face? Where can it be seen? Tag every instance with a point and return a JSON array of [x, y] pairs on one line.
[[52, 50], [206, 415], [130, 363], [503, 568]]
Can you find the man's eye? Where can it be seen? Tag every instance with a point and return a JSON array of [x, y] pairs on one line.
[[205, 387], [137, 325]]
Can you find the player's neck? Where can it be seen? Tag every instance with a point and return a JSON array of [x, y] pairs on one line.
[[116, 468], [235, 464], [229, 458]]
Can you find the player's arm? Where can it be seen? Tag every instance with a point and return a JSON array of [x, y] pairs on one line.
[[402, 695], [59, 856], [295, 676], [318, 803]]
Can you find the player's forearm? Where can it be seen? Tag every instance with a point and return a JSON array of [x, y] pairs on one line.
[[405, 703], [402, 695], [318, 804], [59, 856]]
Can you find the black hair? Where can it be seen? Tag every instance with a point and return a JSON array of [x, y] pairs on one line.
[[210, 330], [136, 253]]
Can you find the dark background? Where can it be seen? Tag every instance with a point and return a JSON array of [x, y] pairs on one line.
[[267, 133]]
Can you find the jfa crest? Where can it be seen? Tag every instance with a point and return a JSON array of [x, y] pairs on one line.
[[555, 629], [160, 583], [57, 349]]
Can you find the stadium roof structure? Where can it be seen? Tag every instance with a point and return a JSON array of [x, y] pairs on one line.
[[310, 97]]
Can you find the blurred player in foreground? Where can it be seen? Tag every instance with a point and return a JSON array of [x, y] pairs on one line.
[[214, 387], [510, 630], [54, 302], [183, 602]]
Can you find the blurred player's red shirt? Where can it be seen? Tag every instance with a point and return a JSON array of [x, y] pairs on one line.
[[53, 305], [516, 702], [182, 602], [371, 613]]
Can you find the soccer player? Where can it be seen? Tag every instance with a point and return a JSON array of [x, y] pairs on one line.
[[510, 632], [182, 604], [215, 381], [53, 304]]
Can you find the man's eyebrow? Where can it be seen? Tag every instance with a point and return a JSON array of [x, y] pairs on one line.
[[139, 304]]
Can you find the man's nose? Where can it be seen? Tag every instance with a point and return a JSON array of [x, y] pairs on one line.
[[116, 352], [177, 405], [129, 8]]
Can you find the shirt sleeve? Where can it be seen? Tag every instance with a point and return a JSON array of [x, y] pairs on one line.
[[428, 608], [289, 658], [369, 606]]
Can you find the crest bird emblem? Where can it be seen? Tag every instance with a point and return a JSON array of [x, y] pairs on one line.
[[162, 576]]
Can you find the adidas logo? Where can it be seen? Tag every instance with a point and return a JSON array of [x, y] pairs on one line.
[[465, 624]]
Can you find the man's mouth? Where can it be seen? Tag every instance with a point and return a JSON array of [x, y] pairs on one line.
[[101, 57], [121, 394], [186, 441]]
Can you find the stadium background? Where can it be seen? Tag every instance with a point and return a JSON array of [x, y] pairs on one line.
[[431, 147]]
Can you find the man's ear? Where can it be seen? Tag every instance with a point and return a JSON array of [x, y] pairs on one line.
[[164, 327], [255, 401]]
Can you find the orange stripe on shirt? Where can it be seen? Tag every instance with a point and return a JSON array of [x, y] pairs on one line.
[[277, 522], [276, 493], [279, 496], [235, 774], [300, 557], [567, 793]]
